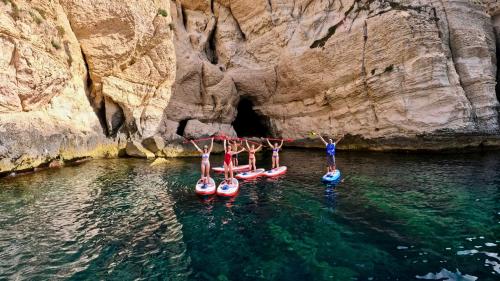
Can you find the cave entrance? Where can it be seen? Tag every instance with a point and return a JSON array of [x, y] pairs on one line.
[[182, 127], [248, 123]]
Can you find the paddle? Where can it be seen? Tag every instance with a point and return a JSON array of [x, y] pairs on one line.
[[284, 140]]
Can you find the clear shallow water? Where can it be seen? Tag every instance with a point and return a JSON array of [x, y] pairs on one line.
[[395, 217]]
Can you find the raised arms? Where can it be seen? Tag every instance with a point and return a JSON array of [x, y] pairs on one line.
[[323, 140], [281, 144], [211, 146], [339, 139], [247, 146], [238, 152], [196, 146], [269, 143]]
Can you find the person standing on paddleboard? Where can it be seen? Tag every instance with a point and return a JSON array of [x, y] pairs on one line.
[[276, 156], [228, 164], [235, 145], [331, 146], [251, 155], [205, 160]]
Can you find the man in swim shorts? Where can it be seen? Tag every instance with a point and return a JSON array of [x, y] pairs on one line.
[[331, 146]]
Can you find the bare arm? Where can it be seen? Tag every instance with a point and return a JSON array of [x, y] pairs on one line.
[[238, 152], [341, 137], [323, 140], [211, 146], [225, 149], [258, 148], [247, 146], [197, 148], [281, 144], [269, 143]]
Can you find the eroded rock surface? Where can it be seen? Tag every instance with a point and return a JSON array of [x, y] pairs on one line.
[[75, 74], [82, 78], [375, 70], [130, 56]]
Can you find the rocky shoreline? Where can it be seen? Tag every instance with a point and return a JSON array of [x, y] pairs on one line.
[[156, 148]]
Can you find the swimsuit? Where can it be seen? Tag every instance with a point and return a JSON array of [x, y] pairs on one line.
[[251, 155], [227, 158], [204, 158], [330, 149], [275, 152], [330, 154]]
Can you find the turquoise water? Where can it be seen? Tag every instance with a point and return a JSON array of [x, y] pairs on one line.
[[395, 217]]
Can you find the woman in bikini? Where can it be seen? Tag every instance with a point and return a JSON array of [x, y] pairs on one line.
[[251, 155], [205, 161], [228, 164], [276, 156]]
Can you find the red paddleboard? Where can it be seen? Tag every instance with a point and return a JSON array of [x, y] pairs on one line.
[[228, 190], [276, 172], [239, 168], [250, 174], [205, 189]]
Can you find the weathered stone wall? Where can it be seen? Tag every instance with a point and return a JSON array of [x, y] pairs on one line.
[[93, 78], [76, 77], [375, 70]]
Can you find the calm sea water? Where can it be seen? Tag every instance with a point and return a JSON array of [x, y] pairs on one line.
[[395, 217]]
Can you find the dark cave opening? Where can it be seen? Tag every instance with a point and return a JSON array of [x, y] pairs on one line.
[[182, 127], [248, 123]]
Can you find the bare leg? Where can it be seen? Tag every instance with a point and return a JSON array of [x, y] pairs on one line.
[[277, 162], [231, 172], [202, 172], [207, 172], [226, 168]]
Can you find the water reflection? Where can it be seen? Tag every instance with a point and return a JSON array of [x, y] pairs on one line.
[[395, 217]]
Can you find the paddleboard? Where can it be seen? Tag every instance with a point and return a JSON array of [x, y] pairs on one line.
[[276, 172], [239, 168], [250, 174], [205, 189], [331, 177], [229, 190]]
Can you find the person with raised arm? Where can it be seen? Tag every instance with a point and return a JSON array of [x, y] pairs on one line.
[[251, 155], [235, 145], [228, 164], [331, 146], [276, 156], [205, 160]]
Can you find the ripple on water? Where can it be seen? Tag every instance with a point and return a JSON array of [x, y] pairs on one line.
[[126, 220], [445, 274]]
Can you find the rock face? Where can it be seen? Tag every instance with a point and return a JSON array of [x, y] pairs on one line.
[[130, 56], [82, 78], [73, 74], [379, 71], [44, 109]]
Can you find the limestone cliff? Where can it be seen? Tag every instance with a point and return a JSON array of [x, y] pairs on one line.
[[78, 76], [386, 73], [82, 78]]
